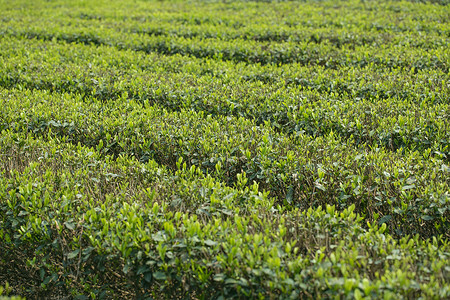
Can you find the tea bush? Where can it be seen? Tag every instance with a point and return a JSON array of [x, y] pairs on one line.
[[238, 149]]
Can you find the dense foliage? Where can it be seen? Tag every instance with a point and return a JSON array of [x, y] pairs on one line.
[[225, 149]]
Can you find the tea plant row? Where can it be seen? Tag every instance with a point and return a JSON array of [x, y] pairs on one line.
[[332, 54], [408, 191], [147, 231], [377, 113]]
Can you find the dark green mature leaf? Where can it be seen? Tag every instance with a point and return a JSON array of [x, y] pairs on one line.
[[159, 276], [73, 254], [384, 219]]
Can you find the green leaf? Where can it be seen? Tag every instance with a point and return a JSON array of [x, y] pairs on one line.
[[319, 186], [219, 277], [159, 276], [408, 187], [22, 213], [290, 195], [159, 236], [210, 243], [69, 225], [231, 281], [427, 218], [141, 270], [126, 268], [385, 219], [148, 277], [73, 254]]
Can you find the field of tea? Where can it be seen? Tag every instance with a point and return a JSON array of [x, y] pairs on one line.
[[225, 149]]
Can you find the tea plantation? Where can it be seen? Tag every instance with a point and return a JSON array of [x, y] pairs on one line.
[[225, 149]]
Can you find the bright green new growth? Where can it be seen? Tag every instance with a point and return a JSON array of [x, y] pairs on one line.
[[238, 149]]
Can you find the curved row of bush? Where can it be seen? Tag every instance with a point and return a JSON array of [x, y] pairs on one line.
[[124, 228], [337, 38], [240, 50], [395, 123], [349, 36], [370, 17], [409, 191], [364, 82]]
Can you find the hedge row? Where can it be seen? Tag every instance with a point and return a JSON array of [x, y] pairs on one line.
[[121, 228], [312, 105], [248, 51], [408, 191], [369, 17], [293, 45]]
